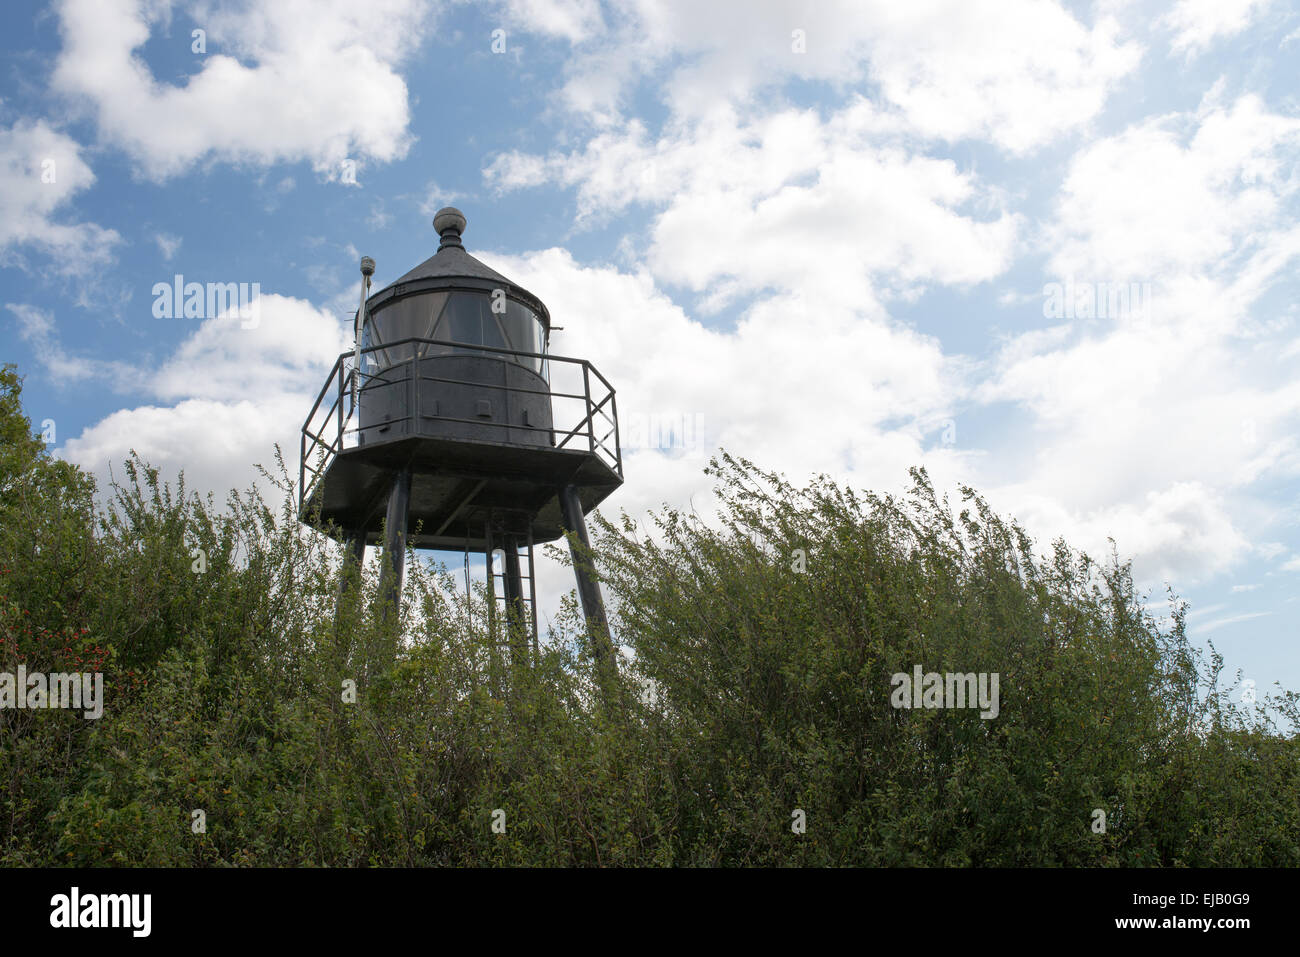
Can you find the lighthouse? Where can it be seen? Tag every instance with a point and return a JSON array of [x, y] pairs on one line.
[[451, 426]]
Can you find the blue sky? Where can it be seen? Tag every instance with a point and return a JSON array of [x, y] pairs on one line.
[[823, 230]]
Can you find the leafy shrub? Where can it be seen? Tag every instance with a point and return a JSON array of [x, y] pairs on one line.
[[759, 648]]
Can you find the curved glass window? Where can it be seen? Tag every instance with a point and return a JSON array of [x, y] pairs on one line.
[[462, 317], [411, 318], [525, 332], [468, 318]]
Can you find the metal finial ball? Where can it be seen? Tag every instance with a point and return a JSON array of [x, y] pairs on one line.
[[449, 218], [367, 266]]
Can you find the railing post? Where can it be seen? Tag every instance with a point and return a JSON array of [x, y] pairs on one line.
[[506, 391], [413, 394], [302, 462], [618, 448], [586, 398]]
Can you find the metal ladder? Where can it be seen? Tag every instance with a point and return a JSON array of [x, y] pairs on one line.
[[498, 583]]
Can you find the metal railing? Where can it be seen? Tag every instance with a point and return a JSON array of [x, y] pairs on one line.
[[578, 417]]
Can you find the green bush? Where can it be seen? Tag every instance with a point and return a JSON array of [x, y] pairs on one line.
[[755, 682]]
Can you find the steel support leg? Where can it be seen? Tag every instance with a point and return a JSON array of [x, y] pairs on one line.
[[515, 612], [399, 504], [354, 550], [494, 664], [593, 606], [354, 553]]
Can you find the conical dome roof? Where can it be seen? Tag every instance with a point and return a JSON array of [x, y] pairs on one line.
[[452, 262], [451, 266]]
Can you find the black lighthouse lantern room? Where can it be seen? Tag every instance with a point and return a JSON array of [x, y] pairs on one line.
[[451, 426]]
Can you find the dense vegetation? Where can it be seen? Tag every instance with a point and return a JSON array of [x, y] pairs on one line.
[[756, 683]]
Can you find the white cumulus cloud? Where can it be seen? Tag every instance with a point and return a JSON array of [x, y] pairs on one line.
[[289, 81], [41, 170]]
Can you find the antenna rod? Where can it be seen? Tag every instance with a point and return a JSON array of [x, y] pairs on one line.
[[367, 270]]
